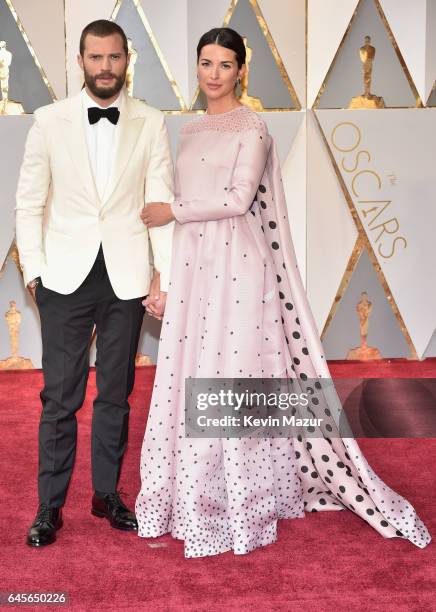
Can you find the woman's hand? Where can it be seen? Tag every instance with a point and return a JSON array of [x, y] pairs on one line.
[[155, 306], [155, 214]]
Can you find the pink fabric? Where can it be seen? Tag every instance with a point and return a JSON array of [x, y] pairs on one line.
[[236, 307]]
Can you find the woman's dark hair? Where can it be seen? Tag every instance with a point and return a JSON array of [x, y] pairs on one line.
[[103, 28], [225, 37]]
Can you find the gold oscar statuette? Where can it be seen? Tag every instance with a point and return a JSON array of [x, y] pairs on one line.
[[367, 99], [7, 106], [130, 77], [14, 362], [250, 101], [364, 352]]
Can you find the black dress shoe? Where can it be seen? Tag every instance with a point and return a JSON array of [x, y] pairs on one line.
[[43, 530], [111, 507]]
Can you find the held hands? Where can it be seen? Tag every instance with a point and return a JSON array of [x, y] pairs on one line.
[[155, 214], [156, 299]]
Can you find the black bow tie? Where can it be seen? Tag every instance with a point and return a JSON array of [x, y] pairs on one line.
[[95, 114]]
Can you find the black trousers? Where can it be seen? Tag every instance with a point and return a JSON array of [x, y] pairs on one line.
[[67, 323]]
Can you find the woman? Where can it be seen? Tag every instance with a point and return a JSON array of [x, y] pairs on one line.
[[236, 307]]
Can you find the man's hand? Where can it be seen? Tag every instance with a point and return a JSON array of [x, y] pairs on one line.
[[155, 214], [32, 286], [155, 301]]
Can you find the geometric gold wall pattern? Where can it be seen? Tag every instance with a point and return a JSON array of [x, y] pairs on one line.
[[28, 87], [393, 204], [432, 98], [383, 334], [47, 38], [13, 133], [152, 80], [377, 60], [267, 86]]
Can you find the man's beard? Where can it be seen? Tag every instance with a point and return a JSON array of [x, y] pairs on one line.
[[104, 92]]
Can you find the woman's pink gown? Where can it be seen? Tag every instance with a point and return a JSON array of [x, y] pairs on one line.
[[236, 307]]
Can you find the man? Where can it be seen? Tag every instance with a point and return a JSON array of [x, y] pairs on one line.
[[91, 163]]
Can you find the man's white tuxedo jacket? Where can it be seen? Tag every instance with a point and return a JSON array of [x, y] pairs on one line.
[[60, 219]]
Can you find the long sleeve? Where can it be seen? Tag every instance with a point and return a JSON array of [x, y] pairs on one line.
[[159, 187], [32, 193], [247, 174]]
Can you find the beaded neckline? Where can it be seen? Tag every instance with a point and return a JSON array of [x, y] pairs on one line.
[[239, 119], [227, 112]]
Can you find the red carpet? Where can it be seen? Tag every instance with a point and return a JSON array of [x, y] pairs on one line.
[[328, 561], [387, 368]]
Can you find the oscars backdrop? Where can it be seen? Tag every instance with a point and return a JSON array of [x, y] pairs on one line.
[[347, 88]]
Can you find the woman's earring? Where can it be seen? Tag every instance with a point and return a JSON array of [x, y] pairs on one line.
[[238, 81]]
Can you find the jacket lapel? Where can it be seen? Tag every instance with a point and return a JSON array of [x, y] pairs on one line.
[[127, 134], [75, 140]]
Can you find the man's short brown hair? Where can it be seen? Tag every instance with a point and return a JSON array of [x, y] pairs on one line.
[[103, 27]]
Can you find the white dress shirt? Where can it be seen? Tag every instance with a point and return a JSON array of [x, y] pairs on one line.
[[101, 143]]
